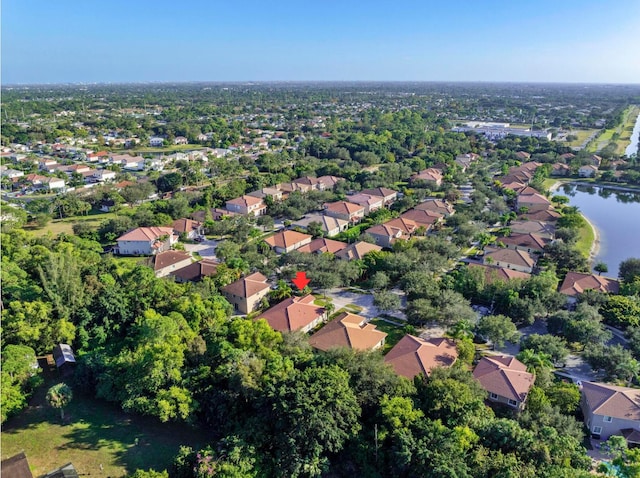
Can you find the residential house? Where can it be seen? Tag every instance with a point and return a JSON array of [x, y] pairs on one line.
[[413, 356], [436, 205], [146, 241], [388, 233], [560, 169], [48, 165], [348, 330], [246, 293], [308, 183], [509, 258], [531, 243], [247, 205], [596, 160], [330, 226], [357, 250], [169, 261], [422, 217], [104, 175], [344, 210], [369, 202], [540, 228], [542, 215], [196, 271], [494, 274], [532, 200], [566, 157], [273, 193], [505, 378], [215, 214], [190, 228], [52, 183], [322, 245], [286, 241], [523, 155], [389, 195], [588, 171], [329, 182], [611, 410], [295, 313], [180, 140], [575, 283], [429, 175], [156, 142], [11, 173]]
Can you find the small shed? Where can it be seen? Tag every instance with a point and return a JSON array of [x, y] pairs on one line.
[[65, 471], [64, 358]]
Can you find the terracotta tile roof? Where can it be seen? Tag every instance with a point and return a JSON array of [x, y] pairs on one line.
[[533, 198], [612, 401], [293, 313], [493, 273], [323, 245], [357, 250], [383, 192], [575, 283], [328, 223], [185, 225], [422, 217], [347, 330], [344, 207], [329, 181], [542, 215], [391, 231], [534, 227], [307, 180], [412, 355], [146, 234], [505, 376], [366, 199], [435, 205], [430, 174], [525, 240], [168, 258], [247, 286], [510, 256], [286, 239], [245, 201], [196, 271]]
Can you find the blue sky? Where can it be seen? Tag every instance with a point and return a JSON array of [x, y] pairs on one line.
[[484, 40]]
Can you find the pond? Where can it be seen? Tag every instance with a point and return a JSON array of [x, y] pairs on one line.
[[616, 216]]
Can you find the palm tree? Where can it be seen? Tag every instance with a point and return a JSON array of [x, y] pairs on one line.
[[282, 291], [534, 361], [59, 396], [461, 330]]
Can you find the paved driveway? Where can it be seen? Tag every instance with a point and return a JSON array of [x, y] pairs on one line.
[[206, 248], [341, 297]]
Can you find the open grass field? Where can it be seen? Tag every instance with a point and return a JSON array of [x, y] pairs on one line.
[[58, 226], [582, 135], [93, 433], [394, 333], [623, 131]]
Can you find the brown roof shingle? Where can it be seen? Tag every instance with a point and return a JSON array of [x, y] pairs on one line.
[[293, 313], [247, 286], [612, 401], [412, 356], [347, 330], [505, 376], [575, 283]]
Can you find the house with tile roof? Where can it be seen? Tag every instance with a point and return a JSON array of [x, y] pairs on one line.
[[322, 245], [190, 228], [505, 378], [344, 210], [413, 356], [611, 410], [329, 182], [357, 250], [431, 175], [169, 261], [247, 206], [330, 226], [274, 193], [493, 274], [436, 205], [425, 218], [540, 228], [287, 241], [389, 196], [308, 183], [146, 241], [542, 215], [369, 202], [575, 283], [246, 293], [532, 199], [587, 171], [531, 243], [388, 233], [295, 313], [196, 271], [509, 259], [348, 330]]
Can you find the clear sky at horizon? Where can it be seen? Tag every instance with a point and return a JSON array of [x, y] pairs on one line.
[[588, 41]]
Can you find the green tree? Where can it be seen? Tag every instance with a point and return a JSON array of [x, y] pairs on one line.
[[498, 329], [565, 396], [535, 361], [629, 269], [601, 267], [621, 311], [555, 346], [59, 396], [386, 300]]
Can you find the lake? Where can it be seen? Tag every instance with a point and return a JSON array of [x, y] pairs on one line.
[[616, 215]]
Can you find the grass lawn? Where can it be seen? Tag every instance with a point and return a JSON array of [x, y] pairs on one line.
[[582, 135], [586, 239], [93, 433], [58, 226], [394, 333], [623, 130]]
